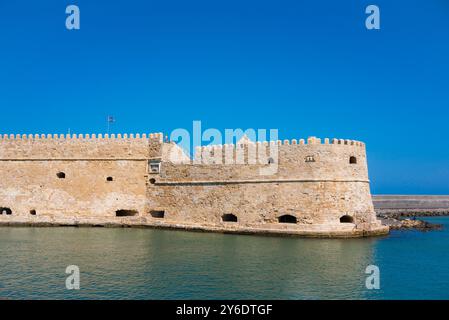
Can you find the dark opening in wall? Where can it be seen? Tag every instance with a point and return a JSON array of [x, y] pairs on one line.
[[229, 217], [346, 219], [310, 159], [352, 160], [287, 219], [154, 165], [152, 181], [270, 160], [61, 175], [4, 210], [157, 214], [126, 213], [109, 179], [33, 212]]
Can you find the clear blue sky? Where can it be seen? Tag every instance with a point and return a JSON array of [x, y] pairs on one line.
[[303, 67]]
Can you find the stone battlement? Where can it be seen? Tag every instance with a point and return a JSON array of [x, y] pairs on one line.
[[159, 137], [308, 141], [124, 145], [71, 137], [252, 152], [50, 147]]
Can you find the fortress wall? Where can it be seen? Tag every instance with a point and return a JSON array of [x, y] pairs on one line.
[[29, 181], [260, 204], [54, 147], [191, 194], [84, 192], [318, 193], [172, 153], [330, 162]]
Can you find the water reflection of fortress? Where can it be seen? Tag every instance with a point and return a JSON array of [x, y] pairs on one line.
[[310, 188]]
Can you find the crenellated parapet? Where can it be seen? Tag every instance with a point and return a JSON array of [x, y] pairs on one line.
[[81, 137], [259, 152], [308, 159], [292, 142], [78, 146], [62, 146]]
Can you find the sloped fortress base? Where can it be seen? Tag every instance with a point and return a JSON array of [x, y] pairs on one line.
[[304, 188], [324, 231]]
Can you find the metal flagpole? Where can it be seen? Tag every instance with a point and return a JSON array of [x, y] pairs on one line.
[[110, 120]]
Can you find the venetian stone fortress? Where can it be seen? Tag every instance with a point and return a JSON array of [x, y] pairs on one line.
[[308, 188]]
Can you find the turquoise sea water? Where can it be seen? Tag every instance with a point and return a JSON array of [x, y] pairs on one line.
[[164, 264]]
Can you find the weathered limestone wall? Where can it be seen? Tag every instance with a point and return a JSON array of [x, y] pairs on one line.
[[331, 162], [318, 192], [83, 193], [263, 203], [32, 190], [313, 181]]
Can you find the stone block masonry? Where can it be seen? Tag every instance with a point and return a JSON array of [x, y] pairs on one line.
[[318, 188]]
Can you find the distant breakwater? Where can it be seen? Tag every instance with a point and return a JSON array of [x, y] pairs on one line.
[[411, 205], [396, 210]]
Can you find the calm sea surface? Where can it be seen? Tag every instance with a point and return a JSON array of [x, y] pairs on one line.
[[159, 264]]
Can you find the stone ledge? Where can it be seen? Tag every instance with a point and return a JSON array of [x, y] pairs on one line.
[[74, 159], [327, 231], [179, 182]]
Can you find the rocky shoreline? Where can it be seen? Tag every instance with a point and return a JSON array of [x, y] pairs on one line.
[[407, 220]]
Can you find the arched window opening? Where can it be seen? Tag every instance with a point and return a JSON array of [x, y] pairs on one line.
[[352, 160], [286, 218], [126, 213], [229, 217], [61, 175], [109, 179], [33, 212], [6, 211], [346, 219], [157, 214], [270, 160]]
